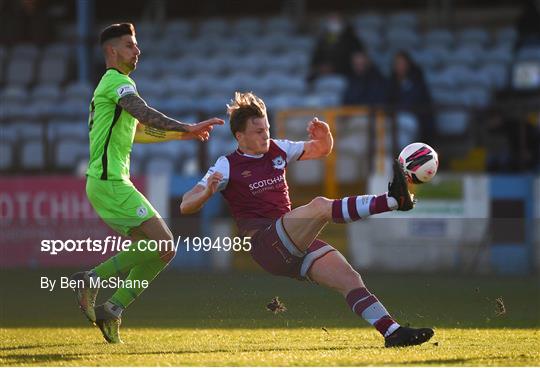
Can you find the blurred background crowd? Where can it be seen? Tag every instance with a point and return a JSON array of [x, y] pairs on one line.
[[463, 76]]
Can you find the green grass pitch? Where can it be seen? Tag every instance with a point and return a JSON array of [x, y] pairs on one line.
[[221, 319]]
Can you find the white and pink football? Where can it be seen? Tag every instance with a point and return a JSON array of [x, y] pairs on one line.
[[420, 162]]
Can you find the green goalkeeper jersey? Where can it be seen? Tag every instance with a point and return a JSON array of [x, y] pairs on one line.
[[111, 129]]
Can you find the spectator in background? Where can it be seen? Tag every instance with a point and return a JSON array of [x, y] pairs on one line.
[[366, 85], [408, 92], [334, 48], [528, 25]]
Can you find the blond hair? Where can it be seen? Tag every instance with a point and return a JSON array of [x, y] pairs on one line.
[[244, 106]]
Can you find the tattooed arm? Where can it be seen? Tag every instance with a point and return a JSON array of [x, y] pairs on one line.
[[150, 117]]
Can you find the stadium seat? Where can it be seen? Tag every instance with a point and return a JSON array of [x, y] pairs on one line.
[[478, 96], [403, 20], [20, 71], [372, 38], [215, 26], [278, 24], [69, 152], [407, 128], [65, 130], [460, 74], [402, 38], [178, 28], [452, 122], [7, 154], [446, 96], [274, 43], [280, 102], [502, 53], [497, 73], [13, 95], [301, 44], [440, 54], [58, 50], [331, 84], [425, 59], [247, 25], [369, 21], [25, 51], [160, 165], [440, 79], [439, 37], [528, 54], [322, 100], [474, 35], [53, 70], [506, 35], [46, 92], [78, 90], [32, 154], [468, 55], [149, 67], [9, 132]]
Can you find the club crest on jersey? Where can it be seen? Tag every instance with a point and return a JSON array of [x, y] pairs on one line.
[[279, 163], [142, 211]]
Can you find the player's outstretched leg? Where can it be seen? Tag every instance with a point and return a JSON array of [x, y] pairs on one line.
[[333, 271], [304, 223]]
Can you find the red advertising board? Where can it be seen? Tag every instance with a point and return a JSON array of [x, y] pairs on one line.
[[36, 209]]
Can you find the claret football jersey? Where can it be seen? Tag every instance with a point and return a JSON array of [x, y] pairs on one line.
[[254, 186]]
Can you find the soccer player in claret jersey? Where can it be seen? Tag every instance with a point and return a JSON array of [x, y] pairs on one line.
[[119, 117], [284, 241]]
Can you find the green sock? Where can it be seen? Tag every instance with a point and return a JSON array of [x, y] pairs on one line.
[[148, 271], [124, 261]]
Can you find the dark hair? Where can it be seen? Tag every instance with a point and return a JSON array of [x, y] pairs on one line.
[[243, 107], [116, 30]]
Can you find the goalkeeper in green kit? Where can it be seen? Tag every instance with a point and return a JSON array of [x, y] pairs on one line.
[[119, 117]]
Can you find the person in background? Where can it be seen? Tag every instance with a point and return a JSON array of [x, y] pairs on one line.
[[409, 93], [366, 85], [334, 47]]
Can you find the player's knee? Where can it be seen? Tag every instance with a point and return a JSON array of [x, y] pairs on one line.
[[321, 205], [167, 249]]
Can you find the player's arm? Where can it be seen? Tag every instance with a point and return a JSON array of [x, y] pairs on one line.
[[195, 199], [321, 140], [148, 116], [148, 134]]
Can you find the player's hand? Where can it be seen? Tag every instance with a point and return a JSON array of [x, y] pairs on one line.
[[201, 131], [318, 129], [213, 182]]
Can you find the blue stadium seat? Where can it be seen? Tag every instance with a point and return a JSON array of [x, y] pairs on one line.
[[497, 73], [160, 165], [402, 38], [247, 25], [178, 28], [32, 154], [214, 26], [20, 71], [452, 122], [468, 55], [473, 35], [403, 20], [278, 24], [53, 70], [438, 53], [369, 21], [476, 96], [301, 44], [372, 38], [331, 84], [439, 37], [501, 53], [46, 92], [528, 54], [69, 152], [506, 35], [7, 154], [59, 49]]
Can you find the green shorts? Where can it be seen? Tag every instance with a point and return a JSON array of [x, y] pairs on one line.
[[119, 204]]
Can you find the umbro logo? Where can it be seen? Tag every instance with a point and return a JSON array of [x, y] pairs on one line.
[[246, 174]]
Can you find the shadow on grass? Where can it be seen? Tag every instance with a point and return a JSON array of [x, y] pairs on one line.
[[42, 358]]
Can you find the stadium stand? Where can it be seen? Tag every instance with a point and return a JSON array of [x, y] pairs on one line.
[[191, 68]]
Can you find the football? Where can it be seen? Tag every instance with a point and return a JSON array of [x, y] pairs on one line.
[[420, 162]]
